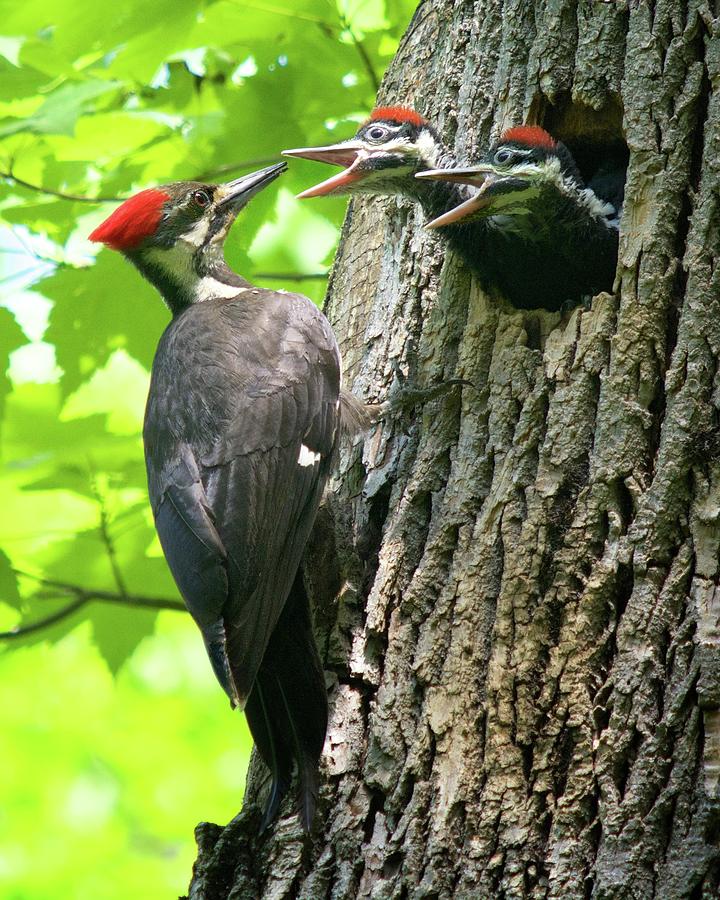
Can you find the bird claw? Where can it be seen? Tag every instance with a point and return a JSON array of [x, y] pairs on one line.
[[408, 398]]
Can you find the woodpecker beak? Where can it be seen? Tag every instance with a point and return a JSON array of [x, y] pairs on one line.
[[349, 154], [336, 154], [236, 194], [474, 175], [493, 191]]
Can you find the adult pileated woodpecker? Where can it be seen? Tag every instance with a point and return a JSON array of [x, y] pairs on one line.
[[545, 238], [241, 423]]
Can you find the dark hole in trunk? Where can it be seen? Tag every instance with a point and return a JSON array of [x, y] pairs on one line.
[[594, 137]]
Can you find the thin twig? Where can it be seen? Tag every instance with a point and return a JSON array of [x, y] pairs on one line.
[[293, 276], [23, 630], [62, 195], [362, 52], [84, 597], [80, 198], [89, 594], [105, 536], [280, 11], [235, 167]]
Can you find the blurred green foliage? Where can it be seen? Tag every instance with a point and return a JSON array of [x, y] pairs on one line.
[[116, 739]]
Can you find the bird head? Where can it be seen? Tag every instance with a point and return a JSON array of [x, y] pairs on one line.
[[382, 158], [513, 174], [175, 233], [186, 214]]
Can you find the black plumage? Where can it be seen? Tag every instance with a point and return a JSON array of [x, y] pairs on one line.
[[542, 239], [242, 420], [241, 389]]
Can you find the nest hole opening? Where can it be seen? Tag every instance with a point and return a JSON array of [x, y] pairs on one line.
[[594, 137]]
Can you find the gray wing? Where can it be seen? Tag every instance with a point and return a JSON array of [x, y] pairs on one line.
[[240, 430]]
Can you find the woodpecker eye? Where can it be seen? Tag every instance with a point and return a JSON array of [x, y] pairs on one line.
[[201, 198], [503, 157], [377, 133]]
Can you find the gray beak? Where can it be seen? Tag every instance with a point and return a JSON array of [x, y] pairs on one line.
[[240, 191]]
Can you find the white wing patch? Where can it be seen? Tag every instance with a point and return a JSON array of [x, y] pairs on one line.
[[307, 457]]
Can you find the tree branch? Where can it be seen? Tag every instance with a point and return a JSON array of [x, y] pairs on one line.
[[107, 596], [82, 597], [81, 198], [22, 630], [105, 537], [293, 276], [362, 52]]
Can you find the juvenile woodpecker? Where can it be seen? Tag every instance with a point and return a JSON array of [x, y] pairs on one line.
[[383, 157], [545, 238], [534, 267], [240, 427]]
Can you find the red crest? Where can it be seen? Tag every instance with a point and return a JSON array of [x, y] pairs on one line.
[[530, 136], [132, 222], [397, 114]]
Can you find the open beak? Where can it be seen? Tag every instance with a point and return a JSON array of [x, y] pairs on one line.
[[474, 175], [236, 194], [349, 154], [489, 183]]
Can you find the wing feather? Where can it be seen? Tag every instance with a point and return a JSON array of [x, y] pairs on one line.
[[238, 388]]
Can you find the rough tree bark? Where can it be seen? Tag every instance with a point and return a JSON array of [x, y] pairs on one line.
[[516, 590]]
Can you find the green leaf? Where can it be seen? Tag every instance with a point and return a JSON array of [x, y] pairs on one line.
[[11, 337], [61, 110], [9, 592], [104, 100], [98, 310]]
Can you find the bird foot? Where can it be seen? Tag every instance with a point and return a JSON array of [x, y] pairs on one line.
[[407, 398]]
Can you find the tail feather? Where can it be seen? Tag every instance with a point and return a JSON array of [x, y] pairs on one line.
[[287, 707], [272, 749], [308, 790], [307, 765]]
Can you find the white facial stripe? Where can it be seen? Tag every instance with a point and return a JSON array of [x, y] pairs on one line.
[[396, 144], [428, 149], [196, 236], [425, 148], [548, 171], [552, 171], [208, 287], [307, 457], [597, 207]]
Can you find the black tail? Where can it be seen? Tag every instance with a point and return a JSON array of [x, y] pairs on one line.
[[287, 707]]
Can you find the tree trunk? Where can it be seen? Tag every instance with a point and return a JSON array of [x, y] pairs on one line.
[[516, 588]]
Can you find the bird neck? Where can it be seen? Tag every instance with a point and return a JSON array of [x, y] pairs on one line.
[[184, 277], [438, 197], [555, 209]]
